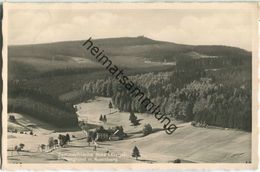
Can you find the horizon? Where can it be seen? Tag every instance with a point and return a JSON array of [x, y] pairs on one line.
[[127, 37], [189, 27]]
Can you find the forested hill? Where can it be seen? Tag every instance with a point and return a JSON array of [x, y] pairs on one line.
[[58, 71], [128, 46], [217, 98]]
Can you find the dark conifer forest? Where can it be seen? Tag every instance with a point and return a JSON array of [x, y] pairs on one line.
[[208, 86], [210, 97]]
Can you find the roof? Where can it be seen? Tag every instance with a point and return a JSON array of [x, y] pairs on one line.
[[116, 132]]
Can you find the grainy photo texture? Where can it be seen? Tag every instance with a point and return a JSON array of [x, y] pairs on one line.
[[123, 84]]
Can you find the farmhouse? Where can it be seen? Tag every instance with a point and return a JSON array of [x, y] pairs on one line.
[[102, 134], [113, 134], [117, 135]]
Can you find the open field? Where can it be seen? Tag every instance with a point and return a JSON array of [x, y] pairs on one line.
[[188, 143]]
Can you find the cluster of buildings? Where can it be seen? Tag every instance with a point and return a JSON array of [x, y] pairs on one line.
[[102, 134], [111, 134]]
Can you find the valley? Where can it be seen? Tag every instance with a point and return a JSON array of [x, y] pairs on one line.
[[188, 143], [54, 88]]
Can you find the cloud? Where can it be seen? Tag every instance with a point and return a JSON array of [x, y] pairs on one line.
[[204, 27], [218, 30]]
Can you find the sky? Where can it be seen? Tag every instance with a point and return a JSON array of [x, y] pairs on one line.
[[195, 27]]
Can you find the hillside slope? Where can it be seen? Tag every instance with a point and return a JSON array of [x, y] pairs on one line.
[[188, 143], [132, 53], [195, 144], [63, 67], [140, 46]]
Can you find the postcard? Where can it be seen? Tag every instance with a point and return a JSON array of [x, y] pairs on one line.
[[130, 86]]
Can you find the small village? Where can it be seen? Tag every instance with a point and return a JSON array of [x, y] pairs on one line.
[[93, 135]]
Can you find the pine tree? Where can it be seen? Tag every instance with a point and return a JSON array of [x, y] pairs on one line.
[[136, 153], [110, 106], [51, 142], [89, 138], [133, 118], [101, 118], [105, 118]]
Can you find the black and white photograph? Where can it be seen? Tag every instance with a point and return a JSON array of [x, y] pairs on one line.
[[130, 83]]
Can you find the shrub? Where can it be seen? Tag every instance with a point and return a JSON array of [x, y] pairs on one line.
[[177, 161], [67, 137], [56, 142], [12, 118], [51, 142], [147, 129], [21, 145], [193, 123]]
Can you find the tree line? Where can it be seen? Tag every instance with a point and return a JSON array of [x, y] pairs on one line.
[[16, 90], [189, 95], [41, 106]]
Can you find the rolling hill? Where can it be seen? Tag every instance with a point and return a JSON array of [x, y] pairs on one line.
[[125, 51], [60, 69], [125, 46]]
